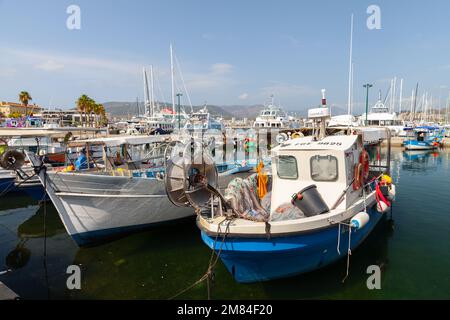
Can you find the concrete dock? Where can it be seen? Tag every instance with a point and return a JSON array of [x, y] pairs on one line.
[[398, 141], [6, 293]]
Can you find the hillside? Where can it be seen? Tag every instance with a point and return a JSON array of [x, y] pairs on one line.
[[124, 109]]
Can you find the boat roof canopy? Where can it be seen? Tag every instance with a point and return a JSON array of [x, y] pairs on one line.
[[119, 140], [337, 142]]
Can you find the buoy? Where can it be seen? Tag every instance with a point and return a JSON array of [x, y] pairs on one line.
[[360, 220], [382, 207]]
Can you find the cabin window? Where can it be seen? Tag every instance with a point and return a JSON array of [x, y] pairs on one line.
[[324, 168], [287, 167]]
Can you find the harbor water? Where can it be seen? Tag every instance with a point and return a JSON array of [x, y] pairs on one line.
[[411, 247]]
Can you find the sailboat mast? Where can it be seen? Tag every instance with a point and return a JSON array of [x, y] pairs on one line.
[[411, 106], [415, 101], [350, 69], [146, 93], [172, 74], [351, 100], [401, 97], [152, 94]]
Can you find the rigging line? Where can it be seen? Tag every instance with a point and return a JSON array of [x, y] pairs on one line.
[[45, 233], [349, 252], [184, 84]]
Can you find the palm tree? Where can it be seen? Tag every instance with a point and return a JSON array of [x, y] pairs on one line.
[[90, 109], [102, 113], [25, 97], [82, 106]]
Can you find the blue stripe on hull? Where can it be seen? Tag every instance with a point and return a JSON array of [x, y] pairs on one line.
[[260, 259], [7, 184], [35, 192]]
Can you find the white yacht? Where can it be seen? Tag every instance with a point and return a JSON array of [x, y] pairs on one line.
[[202, 120], [272, 117]]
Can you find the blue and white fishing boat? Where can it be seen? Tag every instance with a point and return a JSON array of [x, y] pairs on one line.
[[424, 138], [324, 197]]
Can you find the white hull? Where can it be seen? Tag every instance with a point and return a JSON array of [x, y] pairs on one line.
[[95, 206]]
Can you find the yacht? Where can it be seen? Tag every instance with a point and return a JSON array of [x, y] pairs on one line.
[[380, 115], [202, 120], [272, 117]]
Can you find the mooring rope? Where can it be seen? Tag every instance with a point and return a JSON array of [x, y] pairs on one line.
[[212, 261]]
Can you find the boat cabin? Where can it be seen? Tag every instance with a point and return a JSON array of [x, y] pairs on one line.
[[328, 163]]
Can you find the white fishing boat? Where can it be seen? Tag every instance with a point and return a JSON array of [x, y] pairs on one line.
[[121, 193], [324, 196], [108, 200]]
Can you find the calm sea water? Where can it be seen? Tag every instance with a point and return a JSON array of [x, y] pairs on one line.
[[413, 250]]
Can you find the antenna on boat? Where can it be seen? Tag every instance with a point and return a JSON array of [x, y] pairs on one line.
[[320, 116]]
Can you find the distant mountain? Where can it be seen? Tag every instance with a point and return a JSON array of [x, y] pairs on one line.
[[125, 109]]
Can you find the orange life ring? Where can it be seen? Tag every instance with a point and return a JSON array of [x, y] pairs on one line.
[[364, 160], [359, 178]]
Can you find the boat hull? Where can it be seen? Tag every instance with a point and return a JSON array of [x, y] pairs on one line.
[[95, 207], [91, 219], [261, 259], [419, 145], [7, 184]]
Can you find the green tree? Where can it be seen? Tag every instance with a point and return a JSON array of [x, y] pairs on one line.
[[25, 97], [82, 106]]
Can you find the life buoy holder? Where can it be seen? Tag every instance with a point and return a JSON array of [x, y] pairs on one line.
[[359, 178], [364, 160]]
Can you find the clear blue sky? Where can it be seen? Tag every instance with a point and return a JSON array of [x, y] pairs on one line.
[[230, 52]]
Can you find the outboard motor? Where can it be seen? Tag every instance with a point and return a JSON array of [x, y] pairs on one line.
[[191, 174]]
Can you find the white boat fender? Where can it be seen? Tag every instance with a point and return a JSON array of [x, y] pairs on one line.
[[382, 207], [360, 220], [391, 196]]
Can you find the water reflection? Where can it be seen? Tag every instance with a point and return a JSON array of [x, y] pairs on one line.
[[158, 263], [19, 257], [421, 160]]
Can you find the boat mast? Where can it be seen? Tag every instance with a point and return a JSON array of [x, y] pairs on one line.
[[172, 74], [146, 93], [411, 106], [401, 98], [351, 101], [415, 102], [152, 94], [350, 69]]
